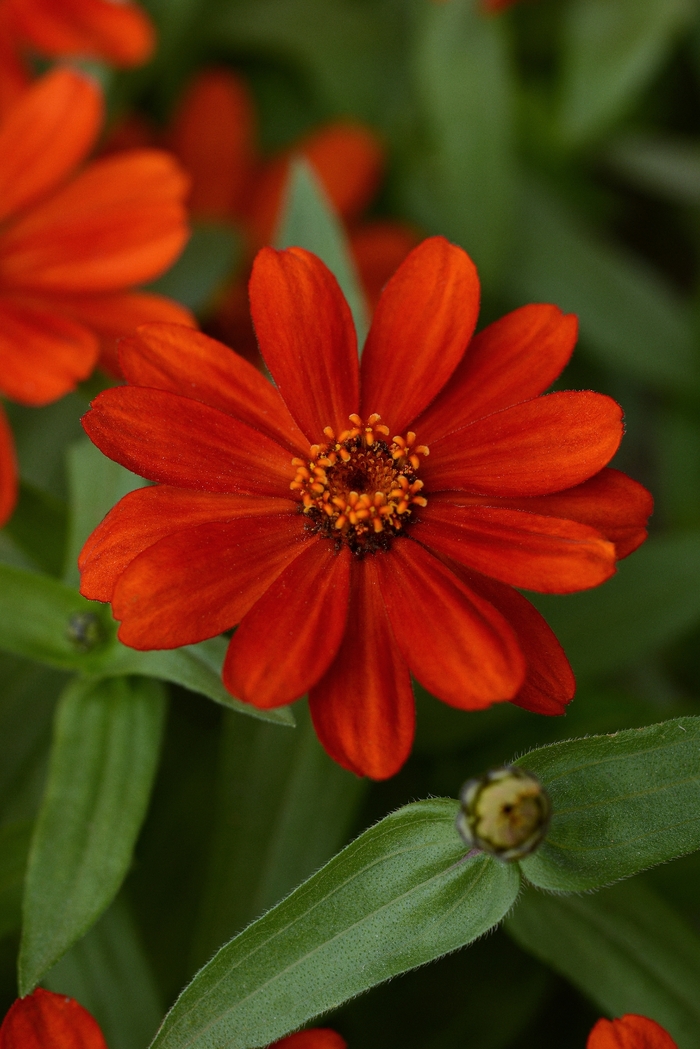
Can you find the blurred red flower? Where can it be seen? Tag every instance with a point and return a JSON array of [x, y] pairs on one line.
[[315, 1038], [629, 1032], [73, 241], [44, 1020], [310, 512]]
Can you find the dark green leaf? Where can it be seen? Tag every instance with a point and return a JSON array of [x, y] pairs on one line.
[[211, 255], [396, 898], [108, 733], [41, 436], [14, 846], [621, 803], [665, 166], [629, 319], [654, 597], [109, 974], [38, 527], [624, 947], [309, 221], [611, 49]]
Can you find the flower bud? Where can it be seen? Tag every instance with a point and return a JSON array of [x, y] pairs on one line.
[[85, 631], [505, 812]]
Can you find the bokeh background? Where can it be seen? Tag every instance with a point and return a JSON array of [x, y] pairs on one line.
[[558, 142]]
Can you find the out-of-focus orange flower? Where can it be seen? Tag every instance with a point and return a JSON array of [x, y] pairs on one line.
[[74, 240], [8, 470], [362, 524], [315, 1038], [117, 31], [44, 1020], [215, 137], [630, 1032]]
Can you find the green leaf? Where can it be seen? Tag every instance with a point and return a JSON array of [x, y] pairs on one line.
[[95, 485], [611, 49], [38, 527], [292, 812], [41, 436], [620, 803], [210, 257], [665, 166], [654, 598], [395, 898], [14, 846], [460, 183], [309, 221], [108, 732], [45, 620], [629, 319], [623, 947], [109, 974]]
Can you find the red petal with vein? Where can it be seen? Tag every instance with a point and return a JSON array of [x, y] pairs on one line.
[[549, 683], [535, 448], [455, 643], [120, 33], [213, 135], [516, 358], [44, 355], [198, 582], [44, 1020], [629, 1032], [611, 502], [307, 337], [421, 327], [183, 361], [45, 135], [121, 222], [144, 517], [115, 315], [547, 554], [363, 708], [379, 248], [182, 442], [8, 470], [316, 1038], [287, 641]]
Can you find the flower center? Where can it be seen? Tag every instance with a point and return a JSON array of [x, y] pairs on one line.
[[359, 488]]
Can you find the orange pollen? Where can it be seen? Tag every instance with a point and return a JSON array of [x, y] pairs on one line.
[[359, 487]]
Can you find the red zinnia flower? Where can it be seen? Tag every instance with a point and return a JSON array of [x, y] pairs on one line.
[[73, 242], [311, 514], [629, 1032], [44, 1020]]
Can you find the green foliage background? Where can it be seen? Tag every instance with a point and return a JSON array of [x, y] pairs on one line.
[[559, 143]]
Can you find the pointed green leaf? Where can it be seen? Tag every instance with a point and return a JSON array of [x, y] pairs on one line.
[[395, 898], [620, 803], [14, 846], [309, 221], [103, 761], [625, 948]]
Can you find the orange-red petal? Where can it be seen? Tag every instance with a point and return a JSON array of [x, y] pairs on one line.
[[45, 135], [549, 683], [379, 248], [307, 337], [44, 354], [183, 361], [144, 517], [535, 448], [213, 135], [455, 643], [611, 502], [287, 641], [176, 440], [547, 554], [120, 222], [630, 1032], [421, 327], [363, 708], [192, 585], [44, 1020], [120, 33], [15, 76], [316, 1038], [516, 358], [8, 470]]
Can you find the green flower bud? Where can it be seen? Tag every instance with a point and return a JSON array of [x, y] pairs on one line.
[[505, 812], [85, 631]]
